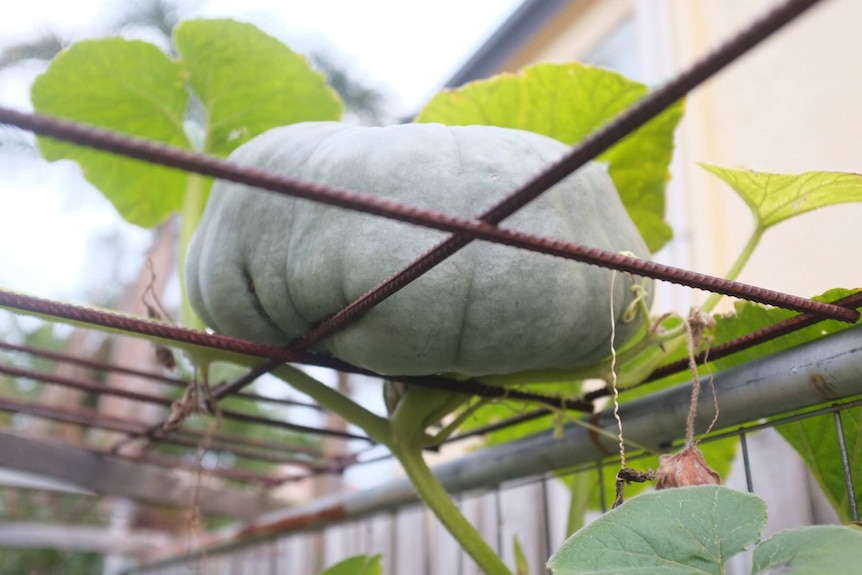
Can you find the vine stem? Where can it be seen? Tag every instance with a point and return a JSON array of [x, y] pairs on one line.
[[433, 494], [736, 268], [404, 435], [377, 428], [408, 432], [192, 210]]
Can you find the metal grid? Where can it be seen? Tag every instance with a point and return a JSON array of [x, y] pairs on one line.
[[270, 549], [312, 461]]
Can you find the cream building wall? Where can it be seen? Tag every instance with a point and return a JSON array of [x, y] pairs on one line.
[[791, 105]]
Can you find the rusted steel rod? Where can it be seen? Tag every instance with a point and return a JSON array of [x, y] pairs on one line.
[[757, 337], [591, 147], [173, 463], [93, 419], [277, 355], [233, 439], [465, 229], [165, 401], [108, 367], [760, 388]]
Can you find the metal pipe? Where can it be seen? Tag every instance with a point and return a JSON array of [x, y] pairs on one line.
[[828, 369]]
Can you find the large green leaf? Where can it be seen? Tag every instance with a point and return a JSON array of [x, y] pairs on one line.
[[810, 551], [815, 439], [568, 102], [749, 317], [357, 565], [774, 198], [129, 87], [685, 531], [249, 82]]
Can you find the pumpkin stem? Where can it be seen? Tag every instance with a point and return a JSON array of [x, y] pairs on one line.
[[456, 423]]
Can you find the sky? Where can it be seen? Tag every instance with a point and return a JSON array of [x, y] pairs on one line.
[[411, 47]]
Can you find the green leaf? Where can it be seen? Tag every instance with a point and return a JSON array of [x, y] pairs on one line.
[[357, 565], [249, 82], [810, 551], [815, 439], [774, 198], [568, 102], [749, 317], [521, 565], [129, 87], [685, 531], [583, 489], [502, 410]]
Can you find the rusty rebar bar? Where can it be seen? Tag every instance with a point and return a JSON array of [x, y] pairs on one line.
[[465, 229], [756, 337], [93, 419], [276, 355], [101, 366], [238, 475], [591, 147], [735, 345], [90, 387]]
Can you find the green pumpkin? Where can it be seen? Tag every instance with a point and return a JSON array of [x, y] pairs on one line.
[[267, 268]]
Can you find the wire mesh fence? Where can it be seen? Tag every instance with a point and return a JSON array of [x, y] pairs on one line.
[[531, 509], [289, 459]]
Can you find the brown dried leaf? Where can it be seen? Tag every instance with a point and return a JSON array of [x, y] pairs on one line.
[[684, 469]]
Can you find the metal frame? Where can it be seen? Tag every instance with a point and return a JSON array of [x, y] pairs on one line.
[[492, 466], [826, 370]]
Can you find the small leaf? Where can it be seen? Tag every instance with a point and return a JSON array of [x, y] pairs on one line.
[[676, 531], [774, 198], [810, 551], [249, 82], [521, 565], [126, 86], [498, 411], [357, 565], [583, 488], [568, 102]]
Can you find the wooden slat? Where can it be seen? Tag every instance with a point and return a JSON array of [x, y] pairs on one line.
[[109, 475], [79, 538]]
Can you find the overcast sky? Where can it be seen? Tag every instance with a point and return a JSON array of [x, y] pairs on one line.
[[410, 46]]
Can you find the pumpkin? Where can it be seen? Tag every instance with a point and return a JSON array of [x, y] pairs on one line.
[[265, 267]]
